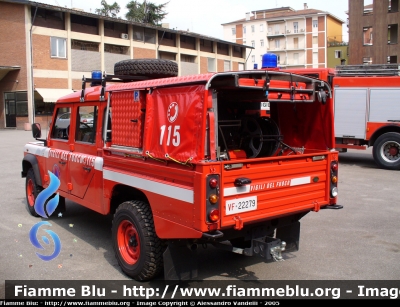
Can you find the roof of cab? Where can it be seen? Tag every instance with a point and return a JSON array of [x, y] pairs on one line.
[[91, 94]]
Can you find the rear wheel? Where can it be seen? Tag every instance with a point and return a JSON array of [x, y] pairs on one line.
[[386, 151], [136, 245], [32, 191]]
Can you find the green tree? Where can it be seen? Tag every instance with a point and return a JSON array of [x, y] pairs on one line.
[[108, 10], [146, 12]]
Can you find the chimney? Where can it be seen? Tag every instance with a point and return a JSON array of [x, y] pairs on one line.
[[305, 6], [247, 16]]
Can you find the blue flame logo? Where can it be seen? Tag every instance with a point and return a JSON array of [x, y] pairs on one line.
[[45, 210]]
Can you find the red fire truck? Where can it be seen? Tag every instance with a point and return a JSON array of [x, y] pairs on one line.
[[367, 112], [183, 162]]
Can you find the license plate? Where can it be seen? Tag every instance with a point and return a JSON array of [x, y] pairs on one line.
[[241, 205]]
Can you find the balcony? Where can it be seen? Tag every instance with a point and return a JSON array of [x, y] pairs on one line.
[[277, 49], [275, 34], [295, 46]]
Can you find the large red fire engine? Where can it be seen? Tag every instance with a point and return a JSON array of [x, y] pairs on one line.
[[183, 162], [367, 112]]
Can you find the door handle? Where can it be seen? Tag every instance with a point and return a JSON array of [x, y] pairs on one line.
[[88, 169], [62, 162]]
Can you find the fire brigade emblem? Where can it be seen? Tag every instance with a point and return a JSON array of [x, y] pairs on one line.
[[172, 113]]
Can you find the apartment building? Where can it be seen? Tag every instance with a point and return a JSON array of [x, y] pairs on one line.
[[298, 38], [45, 51], [374, 32]]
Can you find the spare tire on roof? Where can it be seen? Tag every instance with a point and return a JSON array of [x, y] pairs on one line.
[[152, 68]]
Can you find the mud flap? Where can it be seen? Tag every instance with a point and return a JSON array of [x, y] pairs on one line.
[[180, 261], [291, 235]]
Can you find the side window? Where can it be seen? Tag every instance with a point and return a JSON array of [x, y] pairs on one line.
[[107, 117], [86, 124], [60, 129]]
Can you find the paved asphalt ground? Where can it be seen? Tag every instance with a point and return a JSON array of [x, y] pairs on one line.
[[359, 242]]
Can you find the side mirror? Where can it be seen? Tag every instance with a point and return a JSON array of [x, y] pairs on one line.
[[36, 130]]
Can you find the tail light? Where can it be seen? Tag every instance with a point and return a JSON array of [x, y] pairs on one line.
[[214, 215], [334, 178], [212, 200], [213, 182]]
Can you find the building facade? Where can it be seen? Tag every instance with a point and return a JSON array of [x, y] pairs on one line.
[[374, 32], [337, 53], [298, 38], [46, 50]]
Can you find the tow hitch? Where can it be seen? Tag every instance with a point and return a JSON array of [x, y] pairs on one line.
[[267, 248], [270, 248]]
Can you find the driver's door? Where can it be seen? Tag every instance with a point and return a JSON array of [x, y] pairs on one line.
[[59, 143], [83, 157]]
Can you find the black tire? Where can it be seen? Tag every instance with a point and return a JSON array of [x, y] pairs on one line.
[[152, 68], [137, 248], [31, 191], [386, 151]]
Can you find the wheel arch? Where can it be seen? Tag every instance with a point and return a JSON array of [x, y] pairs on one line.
[[121, 193], [381, 131], [30, 161]]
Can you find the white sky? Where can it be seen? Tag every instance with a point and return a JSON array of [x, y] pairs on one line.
[[206, 16]]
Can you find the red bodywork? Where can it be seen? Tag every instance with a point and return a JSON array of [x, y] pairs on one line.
[[166, 145]]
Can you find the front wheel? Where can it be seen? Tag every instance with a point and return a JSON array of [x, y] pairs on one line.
[[32, 190], [136, 245], [386, 151]]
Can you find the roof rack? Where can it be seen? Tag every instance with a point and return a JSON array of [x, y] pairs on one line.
[[368, 70], [103, 80]]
